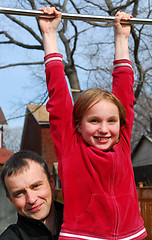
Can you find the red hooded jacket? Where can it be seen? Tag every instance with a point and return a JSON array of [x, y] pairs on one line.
[[99, 192]]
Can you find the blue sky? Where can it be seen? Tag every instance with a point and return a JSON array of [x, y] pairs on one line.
[[13, 94], [18, 85]]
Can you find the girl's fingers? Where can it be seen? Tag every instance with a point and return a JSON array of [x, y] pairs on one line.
[[123, 16]]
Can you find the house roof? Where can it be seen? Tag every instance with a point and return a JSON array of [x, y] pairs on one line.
[[142, 153], [39, 112], [149, 138], [4, 155], [2, 118]]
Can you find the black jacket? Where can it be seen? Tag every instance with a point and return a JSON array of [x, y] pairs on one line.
[[32, 229]]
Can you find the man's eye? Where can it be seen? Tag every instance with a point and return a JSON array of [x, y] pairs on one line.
[[94, 121], [36, 186], [18, 194]]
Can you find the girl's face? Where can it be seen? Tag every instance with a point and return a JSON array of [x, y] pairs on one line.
[[100, 125]]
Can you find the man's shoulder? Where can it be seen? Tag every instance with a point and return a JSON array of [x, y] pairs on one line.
[[14, 232], [9, 233], [59, 210], [58, 206], [59, 213]]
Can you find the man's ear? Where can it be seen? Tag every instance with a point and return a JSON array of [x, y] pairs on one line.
[[52, 182], [9, 197]]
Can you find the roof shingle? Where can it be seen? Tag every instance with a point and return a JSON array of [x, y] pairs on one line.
[[39, 112], [4, 155]]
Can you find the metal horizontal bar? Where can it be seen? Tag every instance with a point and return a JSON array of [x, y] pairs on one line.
[[24, 12], [70, 16], [92, 18]]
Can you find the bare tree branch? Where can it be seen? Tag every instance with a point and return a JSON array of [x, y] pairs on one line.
[[27, 28], [21, 64], [20, 44]]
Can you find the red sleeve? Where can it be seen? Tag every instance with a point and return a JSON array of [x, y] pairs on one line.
[[123, 80], [59, 105]]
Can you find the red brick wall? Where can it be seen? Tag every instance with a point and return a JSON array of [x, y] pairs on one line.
[[47, 147], [32, 135], [37, 137]]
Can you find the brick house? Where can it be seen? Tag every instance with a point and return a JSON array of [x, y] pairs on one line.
[[36, 133], [36, 137]]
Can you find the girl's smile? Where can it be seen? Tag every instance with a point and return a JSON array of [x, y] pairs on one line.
[[100, 125]]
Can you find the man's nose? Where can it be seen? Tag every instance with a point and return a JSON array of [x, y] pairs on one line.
[[30, 197]]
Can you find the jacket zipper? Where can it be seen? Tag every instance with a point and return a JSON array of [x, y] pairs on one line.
[[114, 198]]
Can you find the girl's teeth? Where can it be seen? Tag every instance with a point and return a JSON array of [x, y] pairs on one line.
[[101, 139]]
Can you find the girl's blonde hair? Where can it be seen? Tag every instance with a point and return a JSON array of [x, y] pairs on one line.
[[90, 97]]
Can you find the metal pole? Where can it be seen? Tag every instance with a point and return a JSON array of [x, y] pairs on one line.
[[70, 16]]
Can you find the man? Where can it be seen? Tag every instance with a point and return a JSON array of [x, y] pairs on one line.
[[29, 186]]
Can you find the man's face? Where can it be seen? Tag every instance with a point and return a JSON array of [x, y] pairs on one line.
[[30, 191]]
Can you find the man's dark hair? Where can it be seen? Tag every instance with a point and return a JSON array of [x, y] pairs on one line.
[[19, 161]]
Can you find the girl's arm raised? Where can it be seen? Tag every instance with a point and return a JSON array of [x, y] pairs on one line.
[[123, 77], [122, 32], [59, 105], [49, 29]]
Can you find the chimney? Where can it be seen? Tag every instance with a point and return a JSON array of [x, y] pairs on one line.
[[2, 122], [150, 126], [1, 137]]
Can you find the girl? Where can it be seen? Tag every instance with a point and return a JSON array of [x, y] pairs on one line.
[[92, 144]]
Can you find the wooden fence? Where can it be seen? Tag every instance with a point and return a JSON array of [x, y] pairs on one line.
[[145, 204]]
